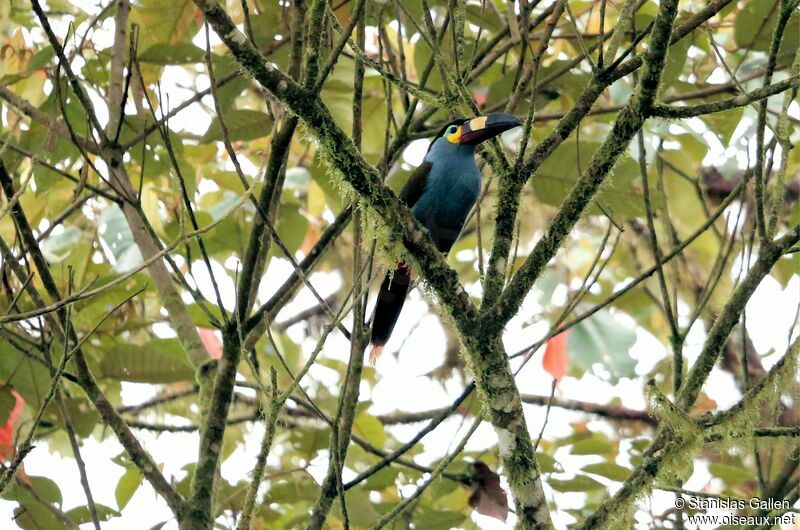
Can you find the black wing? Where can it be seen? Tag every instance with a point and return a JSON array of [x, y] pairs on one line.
[[413, 189]]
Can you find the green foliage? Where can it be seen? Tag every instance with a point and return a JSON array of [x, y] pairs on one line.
[[180, 53], [610, 470], [158, 361], [601, 344], [241, 125], [622, 195], [581, 483], [755, 24], [127, 486], [32, 514], [93, 249], [82, 515], [7, 402]]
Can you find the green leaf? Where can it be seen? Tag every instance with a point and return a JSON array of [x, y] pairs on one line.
[[786, 268], [169, 21], [32, 513], [579, 483], [592, 446], [291, 491], [269, 23], [199, 317], [292, 224], [360, 510], [228, 92], [645, 14], [621, 192], [89, 312], [57, 248], [82, 515], [755, 24], [429, 519], [484, 17], [609, 470], [732, 475], [29, 378], [547, 464], [127, 486], [674, 62], [242, 124], [83, 415], [180, 53], [321, 174], [150, 207], [47, 489], [7, 403], [41, 59], [227, 180], [723, 124], [338, 96], [96, 70], [370, 428], [601, 340], [45, 178], [382, 479], [158, 361], [117, 236], [309, 441]]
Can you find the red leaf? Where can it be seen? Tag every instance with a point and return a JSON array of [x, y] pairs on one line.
[[480, 99], [488, 497], [211, 342], [7, 450], [555, 361]]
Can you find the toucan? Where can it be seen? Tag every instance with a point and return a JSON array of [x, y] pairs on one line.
[[441, 192]]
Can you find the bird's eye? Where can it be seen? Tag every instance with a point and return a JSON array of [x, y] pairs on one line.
[[452, 129]]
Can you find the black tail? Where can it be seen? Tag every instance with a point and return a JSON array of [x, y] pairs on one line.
[[391, 298]]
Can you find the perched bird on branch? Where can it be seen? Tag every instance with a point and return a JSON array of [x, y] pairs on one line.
[[440, 193]]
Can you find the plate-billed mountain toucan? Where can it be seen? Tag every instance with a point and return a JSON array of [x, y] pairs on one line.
[[440, 193]]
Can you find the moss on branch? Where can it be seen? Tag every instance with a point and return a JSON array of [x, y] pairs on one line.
[[628, 122], [341, 152]]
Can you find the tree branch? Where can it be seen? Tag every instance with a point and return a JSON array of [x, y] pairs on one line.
[[345, 158], [627, 124], [664, 445], [672, 112]]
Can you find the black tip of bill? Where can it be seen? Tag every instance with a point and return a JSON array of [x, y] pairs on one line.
[[483, 128]]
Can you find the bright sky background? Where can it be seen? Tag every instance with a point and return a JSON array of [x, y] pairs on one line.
[[402, 384]]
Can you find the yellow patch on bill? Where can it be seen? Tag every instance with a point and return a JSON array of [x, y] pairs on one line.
[[476, 124]]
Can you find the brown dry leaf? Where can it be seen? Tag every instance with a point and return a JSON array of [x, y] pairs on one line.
[[704, 404], [488, 497]]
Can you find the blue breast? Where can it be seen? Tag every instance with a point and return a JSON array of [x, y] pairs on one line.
[[451, 189]]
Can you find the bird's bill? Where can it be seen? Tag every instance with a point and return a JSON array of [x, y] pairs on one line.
[[482, 128]]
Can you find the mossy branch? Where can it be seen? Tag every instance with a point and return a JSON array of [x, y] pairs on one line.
[[691, 111], [198, 513], [343, 155], [628, 122], [728, 423], [508, 198], [665, 446], [769, 254]]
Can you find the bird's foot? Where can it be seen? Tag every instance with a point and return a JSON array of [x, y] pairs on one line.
[[375, 353]]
